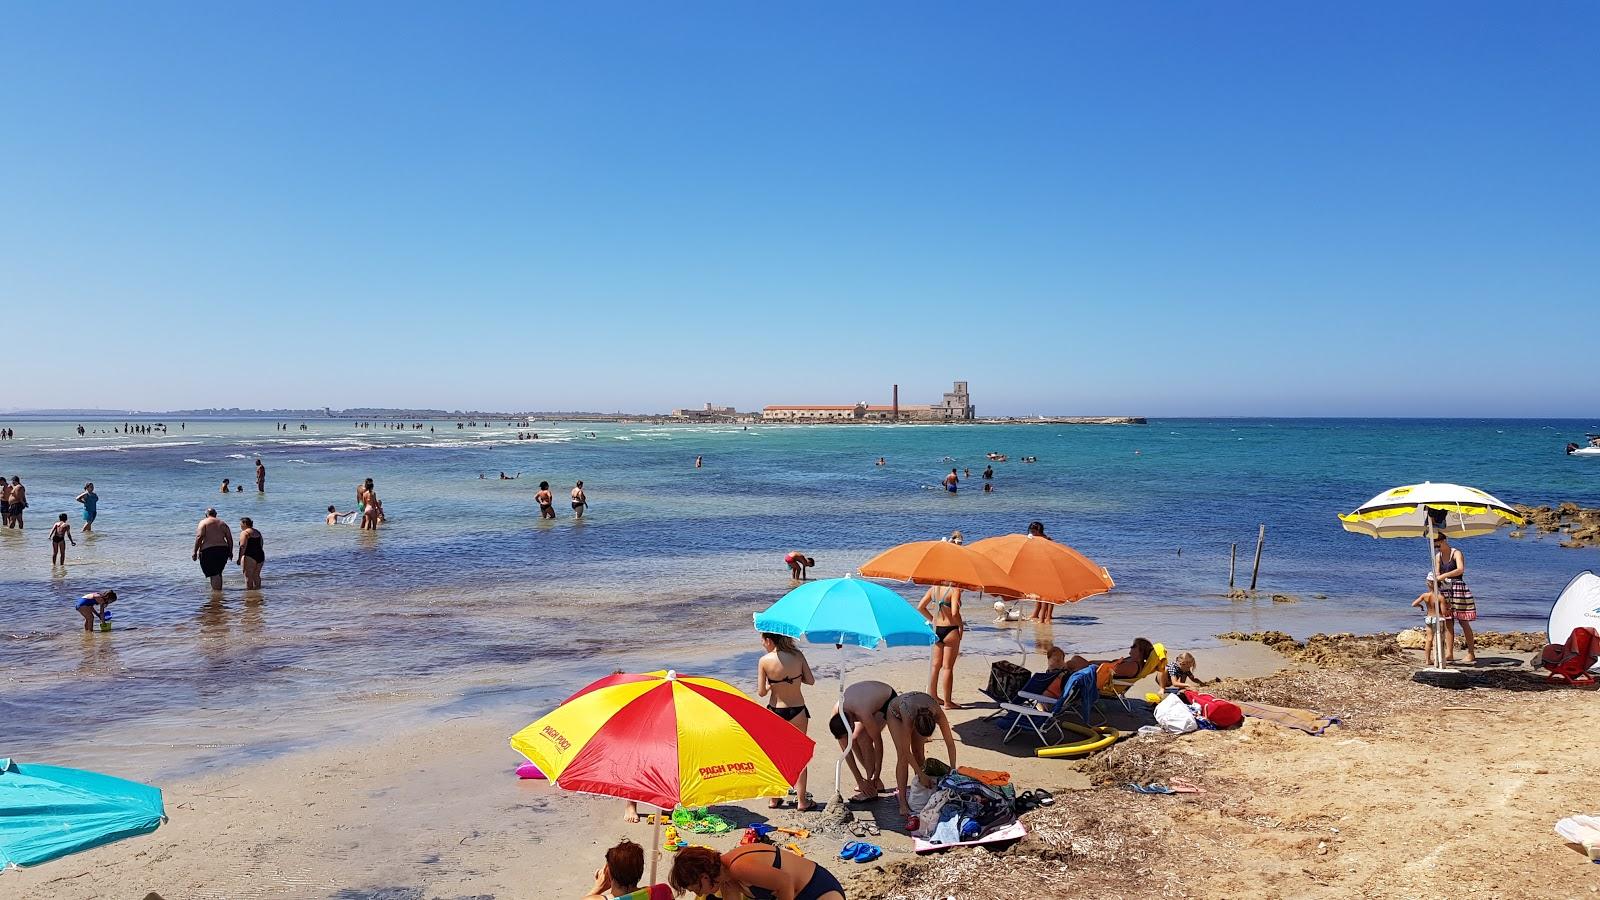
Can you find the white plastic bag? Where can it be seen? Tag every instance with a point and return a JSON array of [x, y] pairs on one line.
[[917, 795], [1173, 715]]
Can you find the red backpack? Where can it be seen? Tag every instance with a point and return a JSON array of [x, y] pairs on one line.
[[1220, 713]]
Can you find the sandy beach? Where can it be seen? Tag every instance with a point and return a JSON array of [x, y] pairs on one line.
[[1399, 801]]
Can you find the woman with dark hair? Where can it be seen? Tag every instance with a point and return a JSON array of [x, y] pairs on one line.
[[251, 553], [1461, 606], [780, 673], [1042, 611], [620, 876], [756, 871], [912, 718]]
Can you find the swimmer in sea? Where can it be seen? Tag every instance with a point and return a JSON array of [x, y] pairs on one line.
[[225, 488], [580, 500], [546, 501], [698, 461], [881, 462], [952, 481], [333, 516]]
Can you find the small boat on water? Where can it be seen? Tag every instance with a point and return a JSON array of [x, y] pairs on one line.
[[1576, 449]]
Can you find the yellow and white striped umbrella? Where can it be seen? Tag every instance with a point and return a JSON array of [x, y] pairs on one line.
[[1404, 511]]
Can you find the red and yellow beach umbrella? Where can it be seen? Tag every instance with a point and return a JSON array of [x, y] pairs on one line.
[[667, 740]]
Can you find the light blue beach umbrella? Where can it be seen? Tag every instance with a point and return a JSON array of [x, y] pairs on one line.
[[50, 811], [846, 611]]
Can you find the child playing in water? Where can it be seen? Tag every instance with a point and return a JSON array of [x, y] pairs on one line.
[[93, 606], [60, 533], [1432, 606]]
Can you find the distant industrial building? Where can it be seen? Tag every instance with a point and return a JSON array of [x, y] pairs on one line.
[[706, 412], [955, 407]]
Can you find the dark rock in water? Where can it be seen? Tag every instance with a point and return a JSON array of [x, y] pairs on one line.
[[1285, 598]]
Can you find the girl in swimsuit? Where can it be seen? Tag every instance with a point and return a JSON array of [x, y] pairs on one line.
[[251, 553], [546, 501], [945, 616], [780, 673], [755, 871]]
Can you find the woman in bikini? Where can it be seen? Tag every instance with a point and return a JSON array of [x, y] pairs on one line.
[[781, 673], [941, 606], [546, 501], [372, 510], [756, 871]]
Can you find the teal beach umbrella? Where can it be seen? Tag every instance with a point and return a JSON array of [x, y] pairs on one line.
[[50, 811], [846, 611]]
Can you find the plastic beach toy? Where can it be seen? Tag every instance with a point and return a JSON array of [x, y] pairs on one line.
[[529, 770]]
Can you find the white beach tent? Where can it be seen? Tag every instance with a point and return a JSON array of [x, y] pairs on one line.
[[1577, 607]]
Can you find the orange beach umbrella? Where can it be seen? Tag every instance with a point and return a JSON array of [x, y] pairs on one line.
[[1041, 569], [940, 562]]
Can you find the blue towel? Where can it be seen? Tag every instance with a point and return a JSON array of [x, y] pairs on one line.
[[1083, 687]]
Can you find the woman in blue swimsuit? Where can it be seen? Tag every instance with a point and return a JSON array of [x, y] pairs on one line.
[[755, 871]]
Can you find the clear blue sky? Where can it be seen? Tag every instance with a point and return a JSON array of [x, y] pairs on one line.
[[1164, 209]]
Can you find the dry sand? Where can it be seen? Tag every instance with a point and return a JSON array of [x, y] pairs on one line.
[[1399, 802]]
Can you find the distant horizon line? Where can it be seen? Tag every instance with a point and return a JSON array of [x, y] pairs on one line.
[[402, 413]]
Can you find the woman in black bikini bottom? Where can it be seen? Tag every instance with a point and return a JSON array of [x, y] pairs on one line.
[[779, 675]]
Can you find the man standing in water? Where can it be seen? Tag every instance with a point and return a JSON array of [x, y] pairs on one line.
[[951, 481], [213, 547], [261, 478], [580, 500]]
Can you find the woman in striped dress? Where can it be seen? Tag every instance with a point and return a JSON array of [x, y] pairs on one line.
[[1463, 609]]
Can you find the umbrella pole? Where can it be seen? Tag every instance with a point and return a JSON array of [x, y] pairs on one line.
[[1436, 634], [655, 849], [849, 735]]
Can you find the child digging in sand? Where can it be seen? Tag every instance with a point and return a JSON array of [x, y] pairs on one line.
[[93, 606], [1180, 674]]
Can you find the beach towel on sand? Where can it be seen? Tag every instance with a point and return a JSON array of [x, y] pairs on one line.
[[1289, 717]]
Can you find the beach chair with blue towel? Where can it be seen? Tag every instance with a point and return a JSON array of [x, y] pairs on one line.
[[1078, 698]]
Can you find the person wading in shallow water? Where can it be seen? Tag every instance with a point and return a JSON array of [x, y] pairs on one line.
[[213, 547]]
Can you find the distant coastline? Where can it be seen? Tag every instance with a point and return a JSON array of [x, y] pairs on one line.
[[618, 418]]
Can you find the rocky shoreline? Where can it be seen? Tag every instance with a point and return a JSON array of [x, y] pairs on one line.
[[1580, 525]]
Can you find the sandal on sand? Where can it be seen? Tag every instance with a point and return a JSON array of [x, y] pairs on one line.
[[1044, 797], [866, 852], [859, 829], [849, 850], [1185, 786]]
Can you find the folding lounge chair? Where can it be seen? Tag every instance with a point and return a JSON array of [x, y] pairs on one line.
[[1070, 704], [1571, 662], [1119, 687]]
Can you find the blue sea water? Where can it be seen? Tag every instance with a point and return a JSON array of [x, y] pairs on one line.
[[466, 598]]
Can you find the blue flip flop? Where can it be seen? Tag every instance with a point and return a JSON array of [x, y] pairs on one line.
[[850, 850], [866, 852]]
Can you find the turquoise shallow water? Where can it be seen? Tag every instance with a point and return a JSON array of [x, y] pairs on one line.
[[465, 598]]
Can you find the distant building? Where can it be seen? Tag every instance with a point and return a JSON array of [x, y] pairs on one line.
[[706, 412], [956, 406]]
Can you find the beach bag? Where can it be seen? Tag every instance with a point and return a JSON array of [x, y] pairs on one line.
[[1220, 713], [991, 807], [1005, 679], [917, 795], [928, 811], [1173, 715]]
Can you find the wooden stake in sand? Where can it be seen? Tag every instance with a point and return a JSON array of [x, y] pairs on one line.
[[1261, 538], [1233, 557]]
